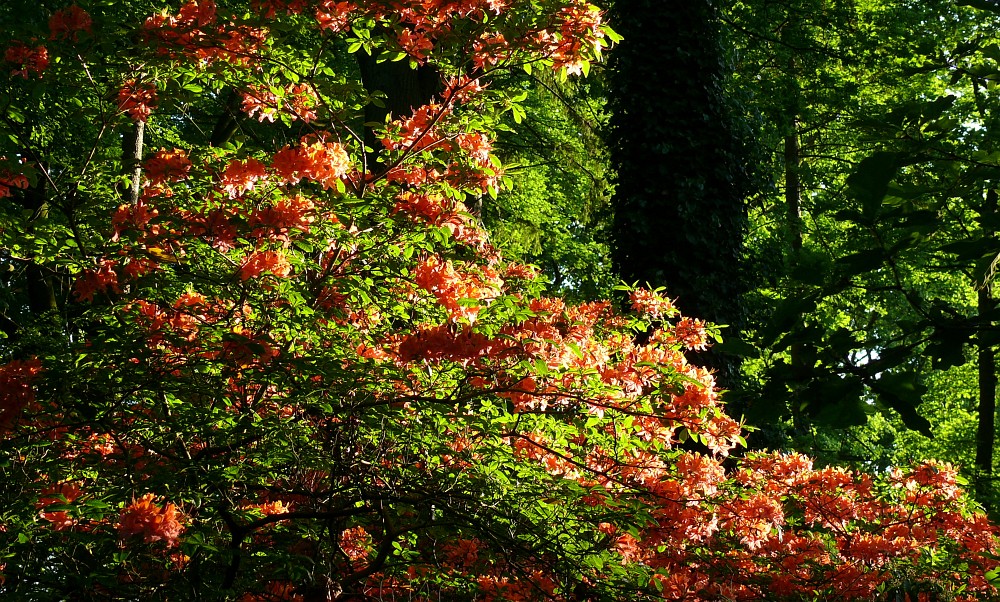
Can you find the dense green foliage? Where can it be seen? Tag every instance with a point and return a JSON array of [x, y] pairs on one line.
[[557, 214], [880, 232]]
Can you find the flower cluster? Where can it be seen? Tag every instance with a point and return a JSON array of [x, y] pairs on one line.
[[457, 292], [314, 158], [9, 180], [144, 518], [69, 22], [26, 60], [195, 33], [167, 166], [579, 29], [313, 344], [64, 493], [298, 102], [100, 279], [137, 99], [259, 262], [16, 391]]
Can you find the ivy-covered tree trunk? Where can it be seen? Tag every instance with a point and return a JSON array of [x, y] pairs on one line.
[[679, 211], [986, 364]]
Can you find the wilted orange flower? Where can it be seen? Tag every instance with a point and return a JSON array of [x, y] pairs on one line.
[[144, 518]]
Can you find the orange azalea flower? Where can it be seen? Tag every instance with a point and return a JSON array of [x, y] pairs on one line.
[[10, 180], [144, 518], [303, 102], [242, 176], [16, 392], [196, 14], [334, 15], [100, 280], [63, 493], [261, 101], [69, 22], [274, 591], [651, 303], [28, 60], [315, 159], [415, 43], [477, 145], [356, 542], [691, 333], [276, 221], [138, 100], [269, 8], [91, 282], [452, 288], [167, 166], [259, 262], [417, 132]]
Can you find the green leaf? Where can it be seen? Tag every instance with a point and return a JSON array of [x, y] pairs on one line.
[[788, 313], [947, 347], [837, 401], [870, 180], [969, 250], [737, 347], [862, 261]]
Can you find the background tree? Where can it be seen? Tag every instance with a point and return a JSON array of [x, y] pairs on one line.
[[678, 152], [557, 212], [888, 266]]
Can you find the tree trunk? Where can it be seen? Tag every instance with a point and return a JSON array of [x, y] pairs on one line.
[[793, 188], [986, 363], [132, 159], [405, 89], [679, 201]]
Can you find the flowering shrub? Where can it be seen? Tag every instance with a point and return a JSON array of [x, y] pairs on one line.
[[290, 367]]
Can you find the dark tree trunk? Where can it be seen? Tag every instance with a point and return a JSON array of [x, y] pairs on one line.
[[679, 203], [405, 89], [986, 363]]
